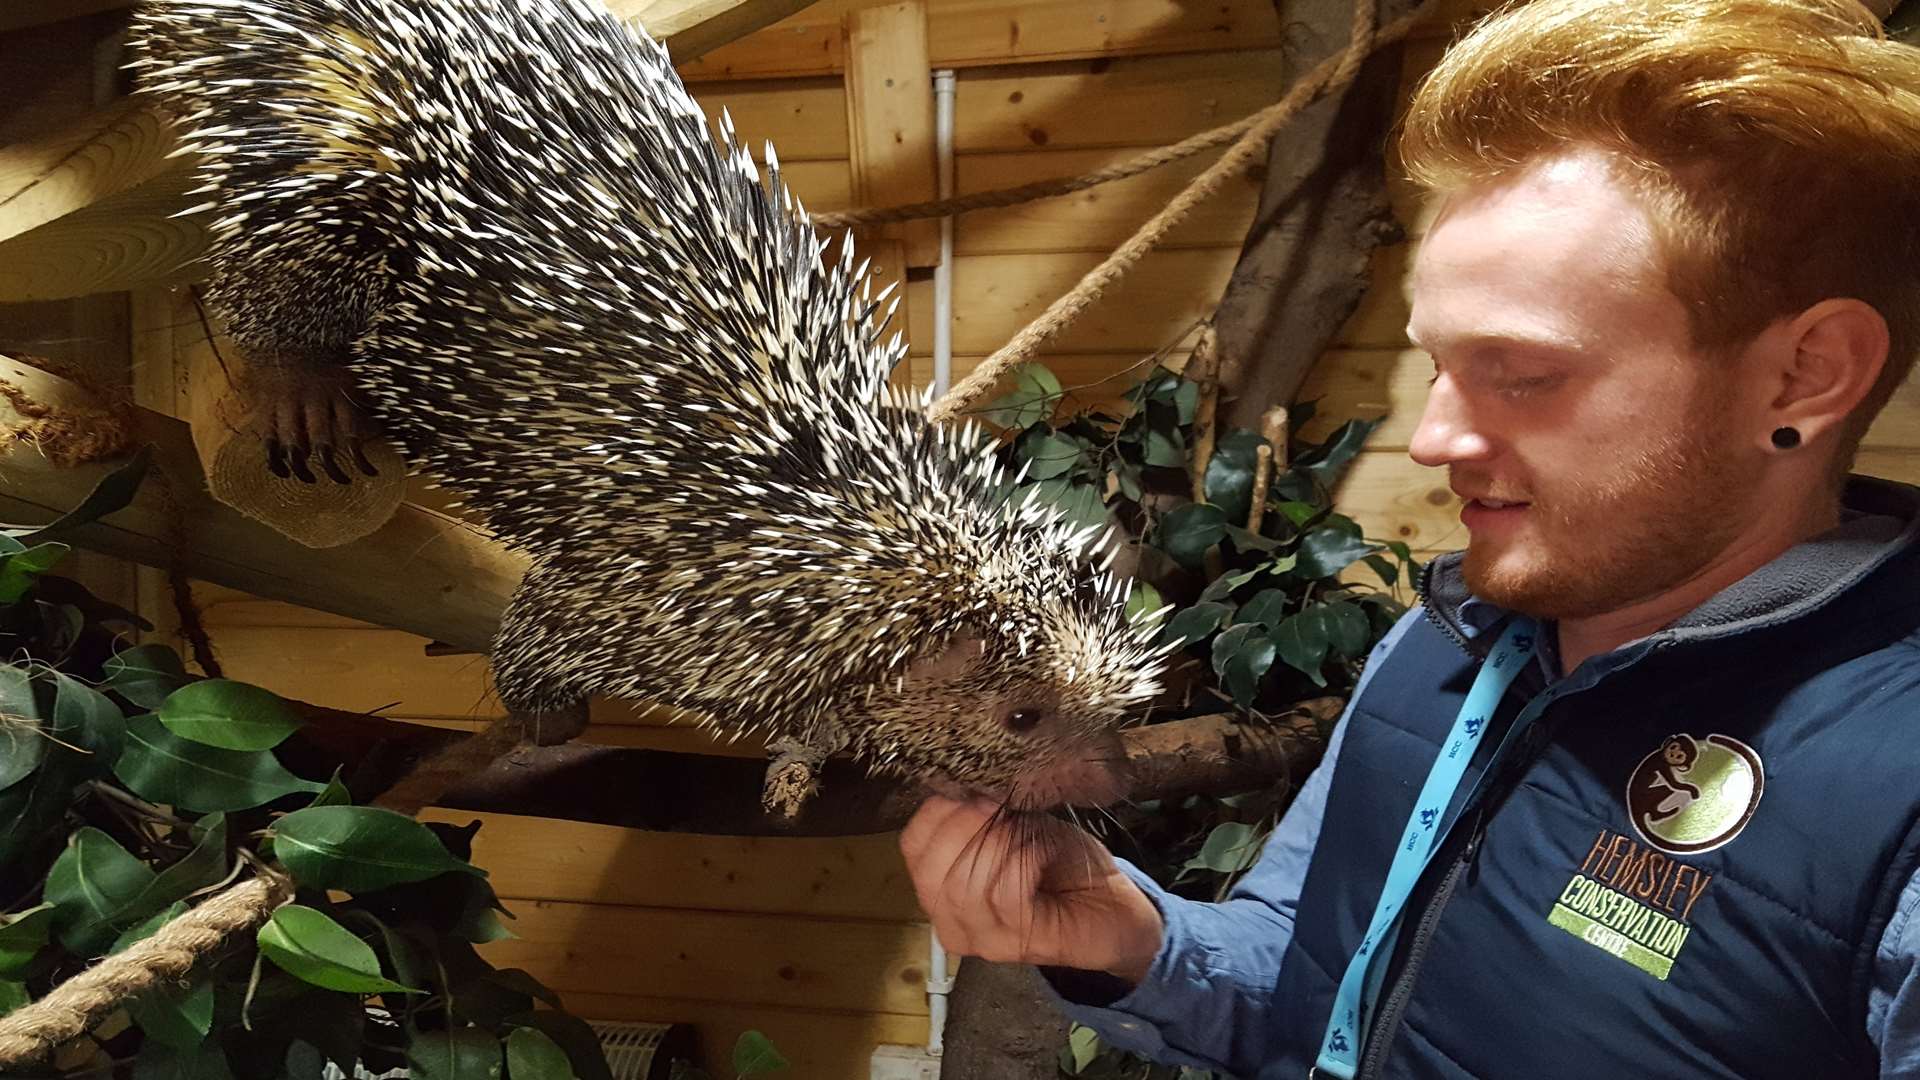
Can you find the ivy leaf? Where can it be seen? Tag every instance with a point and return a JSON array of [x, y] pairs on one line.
[[22, 937], [310, 946], [1267, 607], [1196, 622], [158, 1061], [1302, 643], [114, 492], [1230, 848], [20, 570], [1241, 655], [465, 1053], [23, 744], [1229, 479], [754, 1054], [1029, 402], [1143, 600], [204, 865], [180, 1016], [1346, 627], [231, 715], [1164, 448], [1049, 454], [88, 719], [93, 887], [1329, 549], [145, 674], [1188, 531], [360, 849], [531, 1055], [161, 767]]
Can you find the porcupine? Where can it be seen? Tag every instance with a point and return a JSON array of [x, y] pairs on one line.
[[509, 222]]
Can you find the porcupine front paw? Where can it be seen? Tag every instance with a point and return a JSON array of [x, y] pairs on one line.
[[303, 417]]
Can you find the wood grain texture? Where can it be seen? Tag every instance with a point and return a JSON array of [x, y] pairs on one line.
[[855, 877], [853, 965], [820, 1044], [1098, 219], [890, 119]]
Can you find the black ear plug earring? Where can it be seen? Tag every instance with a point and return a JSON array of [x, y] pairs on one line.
[[1786, 438]]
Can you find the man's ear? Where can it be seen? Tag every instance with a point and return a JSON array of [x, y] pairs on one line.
[[1839, 348], [947, 662]]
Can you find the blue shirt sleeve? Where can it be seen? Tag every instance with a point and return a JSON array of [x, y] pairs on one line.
[[1893, 1001], [1208, 997]]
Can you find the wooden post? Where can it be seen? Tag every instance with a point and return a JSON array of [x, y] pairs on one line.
[[890, 129]]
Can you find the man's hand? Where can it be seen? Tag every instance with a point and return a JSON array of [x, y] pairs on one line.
[[1027, 889]]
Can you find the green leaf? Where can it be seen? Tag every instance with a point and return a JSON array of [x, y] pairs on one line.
[[23, 743], [465, 1053], [1029, 402], [1196, 622], [204, 865], [1164, 448], [158, 1061], [531, 1055], [1267, 607], [360, 848], [19, 571], [1246, 540], [1222, 587], [1346, 627], [228, 714], [1126, 478], [114, 491], [1241, 655], [1328, 461], [1080, 503], [177, 1015], [145, 674], [310, 946], [575, 1036], [161, 767], [1049, 454], [1302, 642], [754, 1053], [1188, 531], [1327, 550], [1389, 572], [22, 937], [1229, 480], [94, 886], [89, 720], [12, 995], [1083, 1043], [1142, 600], [1230, 848]]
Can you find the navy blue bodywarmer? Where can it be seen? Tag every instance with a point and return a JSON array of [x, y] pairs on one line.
[[1680, 867]]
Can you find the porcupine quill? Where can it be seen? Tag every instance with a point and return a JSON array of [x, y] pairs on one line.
[[508, 221]]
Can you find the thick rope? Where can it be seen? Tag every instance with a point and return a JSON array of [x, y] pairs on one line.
[[31, 1033], [1330, 76]]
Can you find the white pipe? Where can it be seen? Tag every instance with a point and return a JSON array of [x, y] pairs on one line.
[[939, 982], [939, 985], [943, 272]]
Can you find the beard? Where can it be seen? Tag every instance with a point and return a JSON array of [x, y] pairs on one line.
[[1598, 543]]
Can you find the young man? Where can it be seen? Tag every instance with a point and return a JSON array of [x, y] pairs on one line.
[[1669, 829]]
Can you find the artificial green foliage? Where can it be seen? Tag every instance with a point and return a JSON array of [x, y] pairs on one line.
[[133, 789], [1262, 617]]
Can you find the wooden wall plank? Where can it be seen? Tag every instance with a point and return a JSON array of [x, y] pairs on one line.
[[819, 1044], [847, 964], [1144, 101], [1100, 218], [856, 877], [805, 118]]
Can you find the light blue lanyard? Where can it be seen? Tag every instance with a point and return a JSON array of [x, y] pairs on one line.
[[1360, 987]]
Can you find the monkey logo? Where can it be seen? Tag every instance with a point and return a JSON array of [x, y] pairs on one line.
[[1693, 795]]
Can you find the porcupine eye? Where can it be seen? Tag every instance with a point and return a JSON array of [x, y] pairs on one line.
[[1021, 721]]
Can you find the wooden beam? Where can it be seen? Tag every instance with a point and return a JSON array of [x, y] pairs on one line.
[[890, 129], [423, 572], [693, 28]]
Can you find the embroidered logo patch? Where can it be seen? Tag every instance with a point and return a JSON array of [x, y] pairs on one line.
[[1693, 795], [1632, 898]]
